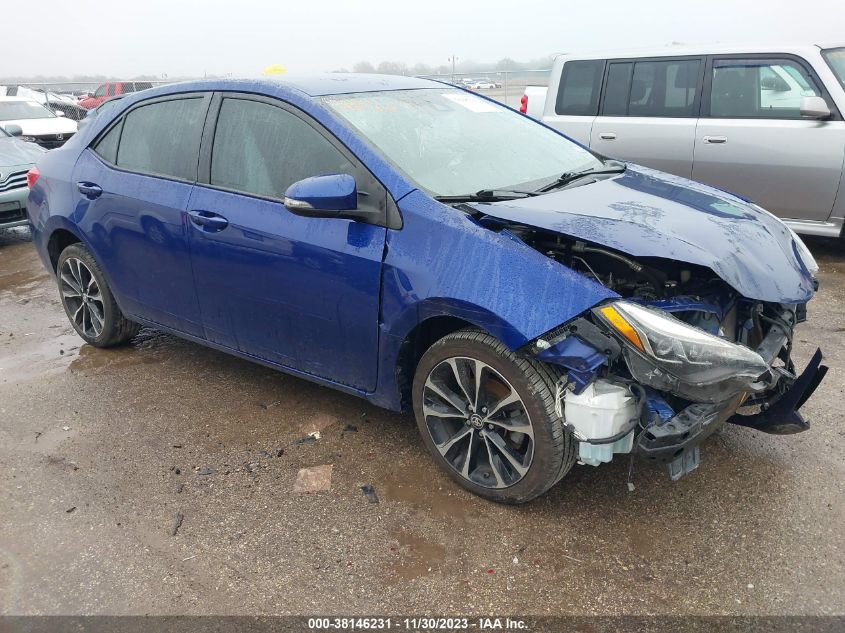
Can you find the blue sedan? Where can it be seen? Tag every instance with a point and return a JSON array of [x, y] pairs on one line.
[[424, 247]]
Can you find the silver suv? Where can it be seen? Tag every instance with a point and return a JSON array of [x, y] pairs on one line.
[[764, 123]]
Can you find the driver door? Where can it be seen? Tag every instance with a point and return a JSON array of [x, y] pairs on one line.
[[295, 291]]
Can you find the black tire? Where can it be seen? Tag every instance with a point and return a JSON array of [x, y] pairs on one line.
[[116, 328], [554, 450]]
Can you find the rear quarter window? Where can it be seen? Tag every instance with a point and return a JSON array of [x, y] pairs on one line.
[[580, 85]]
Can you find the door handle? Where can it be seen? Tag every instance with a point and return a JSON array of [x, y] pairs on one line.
[[89, 190], [715, 139], [208, 220], [607, 136]]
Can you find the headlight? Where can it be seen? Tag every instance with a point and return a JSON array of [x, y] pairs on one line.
[[665, 353]]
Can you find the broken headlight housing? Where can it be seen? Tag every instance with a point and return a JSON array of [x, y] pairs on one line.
[[667, 354]]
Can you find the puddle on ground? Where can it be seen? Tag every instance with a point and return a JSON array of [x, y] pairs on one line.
[[149, 347], [432, 494], [416, 557], [21, 273]]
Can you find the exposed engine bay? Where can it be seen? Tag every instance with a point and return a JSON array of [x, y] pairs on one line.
[[639, 381]]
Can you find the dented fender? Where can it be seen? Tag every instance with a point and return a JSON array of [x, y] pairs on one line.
[[492, 280]]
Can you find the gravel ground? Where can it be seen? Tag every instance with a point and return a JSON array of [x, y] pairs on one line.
[[101, 449]]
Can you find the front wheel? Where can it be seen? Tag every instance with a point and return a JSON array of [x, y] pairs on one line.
[[487, 417], [88, 300]]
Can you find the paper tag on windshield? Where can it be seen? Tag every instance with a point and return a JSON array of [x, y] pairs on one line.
[[475, 104]]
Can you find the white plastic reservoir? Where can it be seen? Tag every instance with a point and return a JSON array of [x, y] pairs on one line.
[[601, 410]]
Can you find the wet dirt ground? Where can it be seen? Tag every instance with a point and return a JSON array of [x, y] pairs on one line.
[[100, 449]]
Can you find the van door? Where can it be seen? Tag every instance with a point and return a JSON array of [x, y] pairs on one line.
[[649, 112], [752, 140], [577, 99]]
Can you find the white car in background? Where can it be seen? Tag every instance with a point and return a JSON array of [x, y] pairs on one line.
[[484, 84], [37, 123]]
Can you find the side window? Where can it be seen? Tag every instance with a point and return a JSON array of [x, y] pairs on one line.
[[580, 84], [111, 89], [666, 88], [263, 149], [163, 138], [771, 88], [100, 91], [617, 89], [106, 147]]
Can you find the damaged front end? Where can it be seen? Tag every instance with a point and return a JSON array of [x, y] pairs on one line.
[[678, 355]]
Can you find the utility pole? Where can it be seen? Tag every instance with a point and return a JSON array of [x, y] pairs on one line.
[[453, 59]]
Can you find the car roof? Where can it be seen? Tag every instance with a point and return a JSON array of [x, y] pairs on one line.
[[318, 85], [699, 49], [19, 99]]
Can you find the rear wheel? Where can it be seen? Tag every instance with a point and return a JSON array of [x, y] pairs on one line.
[[88, 301], [487, 417]]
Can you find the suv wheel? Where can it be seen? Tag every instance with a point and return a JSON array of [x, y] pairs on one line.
[[487, 417], [88, 301]]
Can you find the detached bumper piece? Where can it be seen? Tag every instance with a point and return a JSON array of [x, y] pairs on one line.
[[676, 441], [780, 416]]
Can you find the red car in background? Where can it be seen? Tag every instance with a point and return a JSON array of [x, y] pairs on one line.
[[110, 89]]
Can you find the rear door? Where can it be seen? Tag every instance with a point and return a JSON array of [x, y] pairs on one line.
[[752, 140], [649, 112], [297, 291], [577, 99], [133, 185]]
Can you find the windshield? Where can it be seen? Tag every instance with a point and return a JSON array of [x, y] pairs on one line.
[[452, 143], [835, 58], [13, 110]]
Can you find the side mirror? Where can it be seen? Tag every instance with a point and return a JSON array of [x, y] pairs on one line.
[[329, 196], [814, 108], [14, 130]]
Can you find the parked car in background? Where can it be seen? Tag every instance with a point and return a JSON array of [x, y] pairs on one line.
[[54, 101], [484, 84], [111, 89], [534, 303], [16, 158], [94, 112], [763, 122], [37, 123]]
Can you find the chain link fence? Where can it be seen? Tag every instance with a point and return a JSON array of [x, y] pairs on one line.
[[74, 99]]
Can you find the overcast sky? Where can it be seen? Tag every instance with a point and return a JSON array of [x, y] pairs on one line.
[[190, 37]]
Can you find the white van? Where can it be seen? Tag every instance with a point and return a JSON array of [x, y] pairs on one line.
[[762, 122]]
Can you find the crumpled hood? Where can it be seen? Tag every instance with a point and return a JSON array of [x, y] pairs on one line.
[[647, 213]]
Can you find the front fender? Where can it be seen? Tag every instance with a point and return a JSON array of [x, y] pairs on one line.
[[443, 263]]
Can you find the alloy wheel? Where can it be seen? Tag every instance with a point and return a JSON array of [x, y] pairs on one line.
[[82, 297], [478, 422]]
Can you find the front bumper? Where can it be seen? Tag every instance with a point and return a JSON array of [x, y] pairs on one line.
[[676, 441], [13, 207]]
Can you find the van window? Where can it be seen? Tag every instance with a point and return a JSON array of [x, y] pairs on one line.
[[580, 84], [263, 149], [665, 88], [617, 89], [163, 138], [765, 89]]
